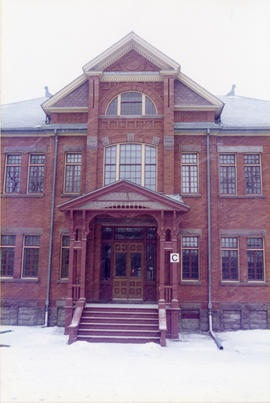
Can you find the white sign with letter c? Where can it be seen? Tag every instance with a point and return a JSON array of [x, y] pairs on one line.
[[174, 257]]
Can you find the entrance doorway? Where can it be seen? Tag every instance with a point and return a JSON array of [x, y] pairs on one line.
[[128, 271], [128, 257]]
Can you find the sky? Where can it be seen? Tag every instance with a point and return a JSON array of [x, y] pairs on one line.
[[217, 42]]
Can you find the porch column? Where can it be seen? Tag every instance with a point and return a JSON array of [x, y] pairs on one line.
[[83, 264], [174, 269], [69, 300], [162, 238]]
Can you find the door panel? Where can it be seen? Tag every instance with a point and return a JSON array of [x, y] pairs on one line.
[[128, 271]]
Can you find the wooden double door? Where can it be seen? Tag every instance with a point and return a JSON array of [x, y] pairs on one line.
[[128, 270]]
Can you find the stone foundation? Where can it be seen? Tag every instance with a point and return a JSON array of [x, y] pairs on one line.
[[192, 318], [29, 313], [228, 317]]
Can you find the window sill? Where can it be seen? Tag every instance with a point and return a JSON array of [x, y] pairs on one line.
[[23, 195], [191, 195], [241, 196], [19, 280], [190, 282], [130, 116], [62, 281], [71, 194], [244, 283]]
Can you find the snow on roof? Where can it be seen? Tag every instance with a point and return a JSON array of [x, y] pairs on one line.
[[245, 112], [238, 112], [24, 114]]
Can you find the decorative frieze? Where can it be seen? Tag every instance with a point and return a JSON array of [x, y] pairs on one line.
[[117, 124]]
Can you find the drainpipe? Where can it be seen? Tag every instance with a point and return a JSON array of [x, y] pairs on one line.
[[214, 337], [51, 231]]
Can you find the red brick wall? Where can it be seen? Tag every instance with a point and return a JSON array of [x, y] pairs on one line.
[[236, 213]]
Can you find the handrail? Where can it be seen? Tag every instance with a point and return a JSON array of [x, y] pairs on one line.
[[74, 325], [162, 326]]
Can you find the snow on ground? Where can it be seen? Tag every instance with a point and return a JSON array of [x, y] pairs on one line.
[[39, 366]]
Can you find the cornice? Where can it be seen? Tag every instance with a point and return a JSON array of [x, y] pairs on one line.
[[196, 108], [127, 77], [66, 109]]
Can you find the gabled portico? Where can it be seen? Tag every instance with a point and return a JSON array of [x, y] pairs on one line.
[[137, 217]]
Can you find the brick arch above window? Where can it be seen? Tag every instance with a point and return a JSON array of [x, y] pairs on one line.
[[131, 103], [108, 91]]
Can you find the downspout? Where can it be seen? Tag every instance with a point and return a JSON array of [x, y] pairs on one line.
[[214, 337], [51, 231]]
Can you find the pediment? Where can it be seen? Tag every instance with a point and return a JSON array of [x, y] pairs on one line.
[[124, 196], [131, 42], [132, 62]]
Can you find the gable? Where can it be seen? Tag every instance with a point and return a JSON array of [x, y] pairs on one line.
[[124, 195], [123, 47], [132, 61]]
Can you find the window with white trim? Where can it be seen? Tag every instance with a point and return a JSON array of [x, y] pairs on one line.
[[7, 250], [227, 173], [252, 163], [31, 255], [73, 164], [229, 258], [36, 173], [131, 103], [190, 258], [189, 172], [65, 243], [255, 256], [13, 173], [134, 162]]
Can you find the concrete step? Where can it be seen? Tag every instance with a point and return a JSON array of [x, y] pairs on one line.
[[102, 319], [119, 339], [119, 325], [117, 332]]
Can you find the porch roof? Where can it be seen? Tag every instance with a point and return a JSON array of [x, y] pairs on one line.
[[127, 196]]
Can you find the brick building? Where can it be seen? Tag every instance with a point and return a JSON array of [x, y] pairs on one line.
[[125, 166]]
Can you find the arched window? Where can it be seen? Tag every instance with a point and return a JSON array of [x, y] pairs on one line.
[[134, 162], [131, 103]]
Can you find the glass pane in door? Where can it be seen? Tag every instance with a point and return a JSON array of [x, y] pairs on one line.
[[120, 264], [135, 265]]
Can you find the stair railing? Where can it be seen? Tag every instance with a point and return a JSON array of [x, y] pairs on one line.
[[74, 325], [162, 326]]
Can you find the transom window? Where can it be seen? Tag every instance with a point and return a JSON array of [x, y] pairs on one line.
[[131, 103], [134, 162]]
